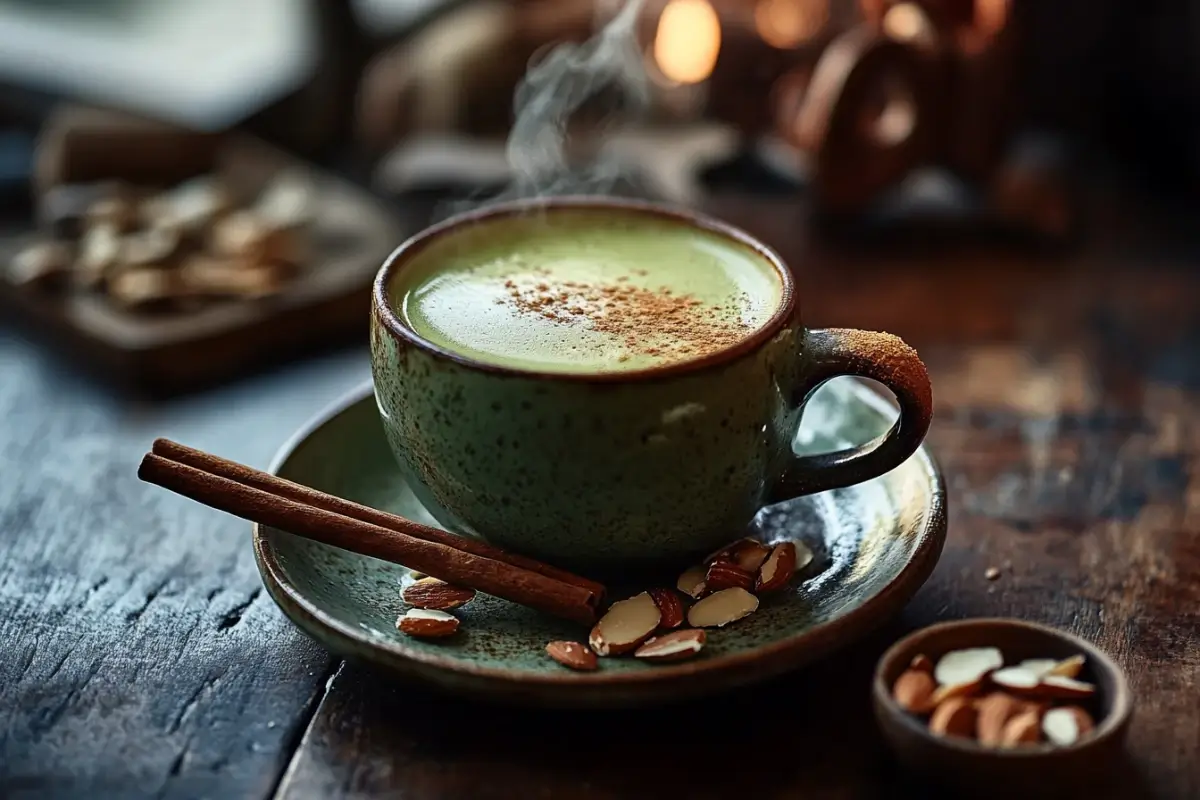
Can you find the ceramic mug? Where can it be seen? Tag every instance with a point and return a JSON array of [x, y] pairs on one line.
[[625, 470]]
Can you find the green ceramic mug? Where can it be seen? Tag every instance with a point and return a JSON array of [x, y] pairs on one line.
[[617, 471]]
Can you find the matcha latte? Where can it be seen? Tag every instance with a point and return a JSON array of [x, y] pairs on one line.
[[585, 290], [611, 386]]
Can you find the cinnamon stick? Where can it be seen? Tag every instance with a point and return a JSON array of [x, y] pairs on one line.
[[488, 575], [282, 487]]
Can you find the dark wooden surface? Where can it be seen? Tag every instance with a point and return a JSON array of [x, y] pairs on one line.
[[138, 657]]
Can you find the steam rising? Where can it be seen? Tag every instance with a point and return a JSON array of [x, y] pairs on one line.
[[557, 87], [554, 90]]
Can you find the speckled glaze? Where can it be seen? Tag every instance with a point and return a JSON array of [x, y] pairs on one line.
[[876, 543], [614, 472], [594, 477]]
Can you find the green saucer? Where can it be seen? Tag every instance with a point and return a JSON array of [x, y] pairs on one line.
[[875, 545]]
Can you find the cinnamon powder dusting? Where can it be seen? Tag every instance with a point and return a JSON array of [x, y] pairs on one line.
[[650, 322]]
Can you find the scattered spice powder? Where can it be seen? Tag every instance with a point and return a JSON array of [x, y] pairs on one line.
[[651, 322]]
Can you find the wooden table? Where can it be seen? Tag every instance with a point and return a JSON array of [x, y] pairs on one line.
[[139, 656]]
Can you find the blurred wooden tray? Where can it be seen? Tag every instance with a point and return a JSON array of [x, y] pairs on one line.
[[327, 304]]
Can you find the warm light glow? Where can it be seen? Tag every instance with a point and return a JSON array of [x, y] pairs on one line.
[[872, 10], [890, 115], [990, 16], [907, 23], [687, 41], [896, 122], [787, 23]]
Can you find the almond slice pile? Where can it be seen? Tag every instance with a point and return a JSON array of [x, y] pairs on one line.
[[973, 695], [721, 591], [430, 599]]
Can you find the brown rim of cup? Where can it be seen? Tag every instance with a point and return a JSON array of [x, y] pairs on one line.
[[395, 262]]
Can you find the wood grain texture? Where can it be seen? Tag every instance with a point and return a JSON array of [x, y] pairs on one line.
[[138, 660], [141, 657], [1068, 423]]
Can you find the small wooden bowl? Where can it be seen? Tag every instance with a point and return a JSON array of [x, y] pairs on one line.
[[1038, 769]]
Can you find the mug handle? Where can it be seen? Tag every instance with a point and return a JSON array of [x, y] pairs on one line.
[[834, 352]]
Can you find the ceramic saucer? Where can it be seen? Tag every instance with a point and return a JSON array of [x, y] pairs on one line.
[[876, 543]]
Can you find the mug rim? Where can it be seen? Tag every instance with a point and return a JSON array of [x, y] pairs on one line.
[[394, 264]]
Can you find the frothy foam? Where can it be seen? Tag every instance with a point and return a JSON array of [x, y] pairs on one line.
[[586, 291]]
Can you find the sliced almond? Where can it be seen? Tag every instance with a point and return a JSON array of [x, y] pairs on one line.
[[241, 234], [627, 624], [778, 569], [98, 252], [955, 717], [691, 582], [149, 247], [725, 575], [1024, 728], [1038, 666], [1016, 678], [244, 235], [674, 646], [995, 711], [116, 211], [913, 691], [573, 655], [437, 594], [427, 623], [749, 554], [804, 555], [288, 201], [670, 607], [961, 667], [921, 662], [949, 690], [1068, 667], [725, 553], [142, 288], [192, 205], [45, 264], [226, 277], [1058, 687], [721, 608], [1067, 725]]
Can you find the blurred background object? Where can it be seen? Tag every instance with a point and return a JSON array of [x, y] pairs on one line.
[[884, 115], [168, 258], [288, 67], [892, 121], [205, 65]]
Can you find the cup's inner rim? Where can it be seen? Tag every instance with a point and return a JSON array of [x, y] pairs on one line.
[[394, 265]]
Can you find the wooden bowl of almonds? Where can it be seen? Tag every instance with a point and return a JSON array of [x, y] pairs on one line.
[[982, 704]]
